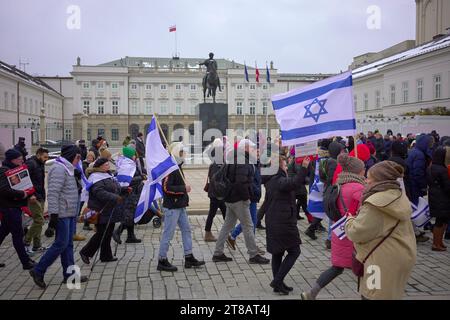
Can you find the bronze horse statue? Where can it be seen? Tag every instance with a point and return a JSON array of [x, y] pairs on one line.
[[210, 84]]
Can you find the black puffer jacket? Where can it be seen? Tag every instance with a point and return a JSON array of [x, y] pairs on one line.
[[37, 174], [280, 210], [103, 195], [9, 198], [175, 195], [241, 177], [213, 169], [131, 201], [439, 186]]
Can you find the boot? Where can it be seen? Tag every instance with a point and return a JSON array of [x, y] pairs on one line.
[[209, 237], [131, 236], [190, 261], [117, 233], [279, 288], [164, 265], [438, 233], [78, 237], [442, 238], [310, 232]]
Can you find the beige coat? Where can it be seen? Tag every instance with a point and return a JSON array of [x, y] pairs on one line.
[[396, 256]]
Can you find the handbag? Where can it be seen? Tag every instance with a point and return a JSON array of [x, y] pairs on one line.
[[357, 266]]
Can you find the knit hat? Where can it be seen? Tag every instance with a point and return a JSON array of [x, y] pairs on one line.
[[385, 170], [335, 148], [363, 152], [69, 152], [350, 164], [104, 153], [129, 151], [12, 154], [99, 162]]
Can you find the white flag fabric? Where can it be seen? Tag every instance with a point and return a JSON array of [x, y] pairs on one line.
[[315, 199], [159, 165], [321, 110], [421, 213], [126, 168], [158, 160], [338, 228]]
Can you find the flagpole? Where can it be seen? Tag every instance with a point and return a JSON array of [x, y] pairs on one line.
[[176, 49]]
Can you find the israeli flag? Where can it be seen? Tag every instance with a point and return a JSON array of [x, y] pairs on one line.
[[159, 162], [126, 168], [150, 193], [159, 165], [85, 183], [315, 201], [321, 110], [338, 228], [421, 213]]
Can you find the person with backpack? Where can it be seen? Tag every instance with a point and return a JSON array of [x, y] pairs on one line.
[[239, 174], [217, 156], [383, 235], [327, 166], [254, 199], [349, 187]]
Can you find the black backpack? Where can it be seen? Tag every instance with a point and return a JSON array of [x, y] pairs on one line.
[[330, 197], [219, 185]]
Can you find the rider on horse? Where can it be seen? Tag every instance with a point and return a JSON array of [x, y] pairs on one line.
[[211, 67]]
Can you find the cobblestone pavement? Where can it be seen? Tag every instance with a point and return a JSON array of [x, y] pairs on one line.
[[134, 275]]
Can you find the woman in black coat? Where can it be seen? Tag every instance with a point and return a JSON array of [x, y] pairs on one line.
[[439, 197], [104, 198], [282, 233]]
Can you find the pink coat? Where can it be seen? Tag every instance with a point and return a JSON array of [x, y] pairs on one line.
[[341, 250]]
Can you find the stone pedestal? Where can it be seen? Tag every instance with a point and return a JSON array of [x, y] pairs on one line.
[[214, 120]]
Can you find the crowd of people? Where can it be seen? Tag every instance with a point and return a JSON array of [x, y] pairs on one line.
[[378, 179]]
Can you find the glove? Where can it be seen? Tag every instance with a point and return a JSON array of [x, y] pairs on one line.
[[53, 223], [50, 232]]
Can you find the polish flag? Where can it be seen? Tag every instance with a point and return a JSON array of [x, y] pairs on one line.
[[257, 74], [173, 28]]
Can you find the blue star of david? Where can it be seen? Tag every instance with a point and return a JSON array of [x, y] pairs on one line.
[[322, 110], [342, 227], [314, 186]]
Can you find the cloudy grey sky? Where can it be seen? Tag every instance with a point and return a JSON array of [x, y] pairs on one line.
[[304, 36]]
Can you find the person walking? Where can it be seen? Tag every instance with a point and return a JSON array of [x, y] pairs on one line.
[[241, 176], [104, 194], [382, 233], [11, 201], [63, 209], [175, 201], [351, 182], [282, 233], [217, 156], [439, 197], [36, 169]]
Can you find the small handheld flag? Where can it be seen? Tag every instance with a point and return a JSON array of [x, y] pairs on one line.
[[246, 72], [267, 74], [257, 74]]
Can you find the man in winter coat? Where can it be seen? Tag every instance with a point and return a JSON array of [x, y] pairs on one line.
[[240, 172], [417, 163], [36, 168], [11, 201], [63, 203], [20, 146]]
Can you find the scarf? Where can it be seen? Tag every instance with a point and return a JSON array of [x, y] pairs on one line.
[[348, 177], [66, 164], [380, 187]]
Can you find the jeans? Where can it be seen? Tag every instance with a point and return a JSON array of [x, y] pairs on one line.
[[34, 234], [172, 217], [214, 204], [329, 275], [280, 267], [12, 223], [62, 246], [238, 229], [237, 210]]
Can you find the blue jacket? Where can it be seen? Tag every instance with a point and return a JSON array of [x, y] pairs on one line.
[[417, 166]]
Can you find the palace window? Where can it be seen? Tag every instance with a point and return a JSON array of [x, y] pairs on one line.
[[86, 106], [392, 94], [115, 107], [115, 134], [101, 106], [239, 108], [148, 107], [437, 86], [378, 99], [405, 91], [420, 90]]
